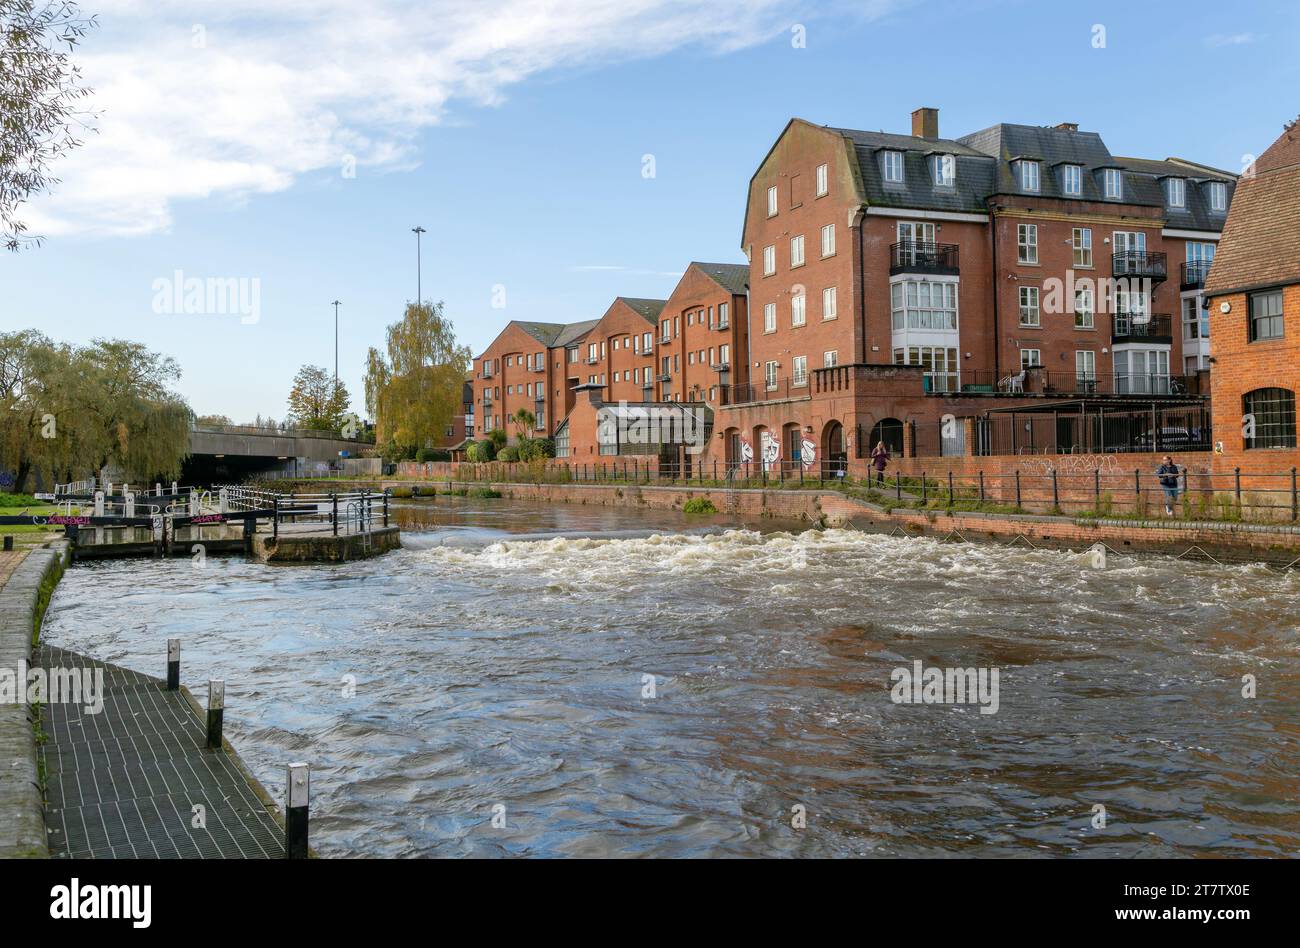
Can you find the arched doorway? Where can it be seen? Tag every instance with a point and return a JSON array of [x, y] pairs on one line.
[[888, 430], [835, 456]]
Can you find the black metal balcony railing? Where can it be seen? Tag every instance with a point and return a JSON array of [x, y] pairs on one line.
[[1041, 381], [1140, 263], [764, 391], [922, 256], [1194, 273], [1151, 326]]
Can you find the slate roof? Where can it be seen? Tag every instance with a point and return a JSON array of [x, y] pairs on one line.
[[647, 309], [985, 168], [572, 332], [974, 178], [733, 277], [1261, 241], [544, 333], [1149, 175]]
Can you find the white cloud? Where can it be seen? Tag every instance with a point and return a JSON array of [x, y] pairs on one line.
[[280, 89], [1230, 39]]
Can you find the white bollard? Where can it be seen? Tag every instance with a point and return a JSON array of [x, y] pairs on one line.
[[99, 503], [194, 502], [130, 505], [223, 501]]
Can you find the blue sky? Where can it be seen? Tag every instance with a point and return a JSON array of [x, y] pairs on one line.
[[514, 131]]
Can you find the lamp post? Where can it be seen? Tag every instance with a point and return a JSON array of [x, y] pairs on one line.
[[336, 343], [419, 289]]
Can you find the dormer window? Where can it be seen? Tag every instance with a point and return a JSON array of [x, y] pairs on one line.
[[1113, 183], [1029, 176], [1072, 180], [893, 166], [1176, 192], [1218, 196], [943, 170]]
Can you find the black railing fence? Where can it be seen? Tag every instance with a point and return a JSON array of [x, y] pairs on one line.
[[1084, 486], [1096, 431]]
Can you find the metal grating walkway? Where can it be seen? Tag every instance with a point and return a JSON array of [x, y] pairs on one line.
[[122, 784]]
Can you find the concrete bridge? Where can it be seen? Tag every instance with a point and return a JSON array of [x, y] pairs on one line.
[[231, 452]]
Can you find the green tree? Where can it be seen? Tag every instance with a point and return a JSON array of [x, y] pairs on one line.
[[39, 89], [524, 422], [317, 401], [414, 387], [68, 412]]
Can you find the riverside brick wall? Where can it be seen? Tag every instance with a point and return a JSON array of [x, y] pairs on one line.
[[1274, 543]]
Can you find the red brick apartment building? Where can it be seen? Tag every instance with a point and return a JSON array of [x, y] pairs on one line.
[[894, 279], [1254, 295]]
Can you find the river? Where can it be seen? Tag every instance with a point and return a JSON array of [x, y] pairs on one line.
[[534, 680]]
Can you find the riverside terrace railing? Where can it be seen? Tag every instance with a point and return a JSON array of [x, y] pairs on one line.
[[1086, 487], [1097, 429], [341, 512], [366, 437], [1037, 380]]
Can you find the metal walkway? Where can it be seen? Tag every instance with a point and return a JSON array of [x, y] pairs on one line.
[[124, 783]]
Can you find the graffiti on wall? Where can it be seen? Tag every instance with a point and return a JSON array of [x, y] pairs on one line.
[[771, 451]]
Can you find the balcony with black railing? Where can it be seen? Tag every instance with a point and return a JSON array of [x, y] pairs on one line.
[[923, 256], [1194, 273], [1149, 264], [1155, 328]]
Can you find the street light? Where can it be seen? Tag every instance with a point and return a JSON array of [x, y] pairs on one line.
[[336, 343], [419, 289]]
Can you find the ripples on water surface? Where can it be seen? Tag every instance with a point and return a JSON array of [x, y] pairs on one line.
[[499, 659]]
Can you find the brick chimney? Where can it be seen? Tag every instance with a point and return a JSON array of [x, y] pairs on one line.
[[1068, 126], [925, 123]]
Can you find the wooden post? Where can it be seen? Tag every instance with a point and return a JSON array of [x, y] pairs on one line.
[[385, 506], [334, 513], [297, 798], [173, 664], [981, 485], [216, 711]]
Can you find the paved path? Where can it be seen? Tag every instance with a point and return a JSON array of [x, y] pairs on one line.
[[123, 783]]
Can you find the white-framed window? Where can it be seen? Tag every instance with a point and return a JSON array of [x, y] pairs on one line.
[[690, 358], [1218, 196], [724, 355], [1027, 243], [822, 184], [771, 202], [799, 371], [798, 310], [1081, 238], [828, 240], [1030, 358], [647, 342], [943, 170], [1085, 365], [769, 317], [892, 164], [1196, 319], [940, 363], [830, 358], [829, 303], [796, 251], [1072, 179], [769, 375], [1028, 175], [1084, 308], [723, 318], [769, 260], [923, 304], [1176, 192], [1029, 312], [1113, 183]]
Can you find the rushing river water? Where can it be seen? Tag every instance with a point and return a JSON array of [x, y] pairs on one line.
[[500, 659]]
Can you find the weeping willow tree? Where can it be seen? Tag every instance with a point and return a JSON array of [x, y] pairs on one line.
[[69, 412], [414, 388]]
